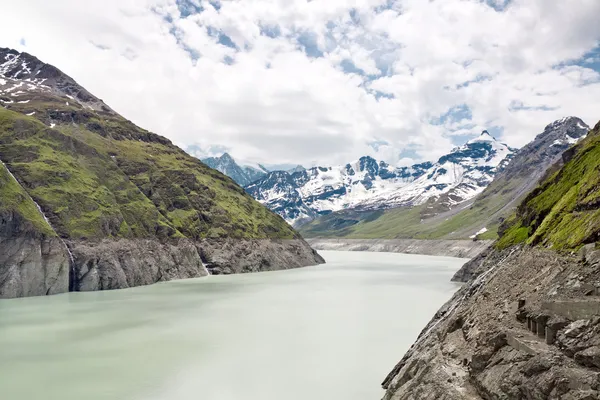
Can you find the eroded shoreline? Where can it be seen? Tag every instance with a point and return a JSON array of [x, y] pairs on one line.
[[447, 248]]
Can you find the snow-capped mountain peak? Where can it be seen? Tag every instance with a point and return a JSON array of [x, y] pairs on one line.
[[563, 133], [455, 178], [23, 76], [484, 137], [242, 174]]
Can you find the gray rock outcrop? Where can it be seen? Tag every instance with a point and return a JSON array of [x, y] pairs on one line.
[[36, 266], [124, 263], [31, 263], [478, 347]]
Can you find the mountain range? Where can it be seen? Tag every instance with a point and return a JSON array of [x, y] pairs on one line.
[[368, 184], [465, 194], [90, 201], [242, 174]]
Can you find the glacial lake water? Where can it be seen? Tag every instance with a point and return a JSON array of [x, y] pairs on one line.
[[327, 332]]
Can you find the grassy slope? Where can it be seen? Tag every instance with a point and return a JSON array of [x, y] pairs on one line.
[[16, 200], [407, 223], [564, 211], [97, 175]]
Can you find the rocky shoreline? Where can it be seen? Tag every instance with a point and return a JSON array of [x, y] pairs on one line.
[[36, 266], [447, 248], [480, 344]]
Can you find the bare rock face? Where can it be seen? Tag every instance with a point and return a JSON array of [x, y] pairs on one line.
[[479, 346], [31, 264], [227, 256], [116, 264], [476, 266], [36, 266], [124, 263]]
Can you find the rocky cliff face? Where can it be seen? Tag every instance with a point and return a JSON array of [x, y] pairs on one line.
[[31, 263], [117, 264], [89, 201], [479, 346], [33, 259]]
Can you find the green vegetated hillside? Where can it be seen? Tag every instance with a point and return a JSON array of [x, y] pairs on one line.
[[16, 201], [489, 210], [97, 175], [129, 207], [564, 211], [399, 223]]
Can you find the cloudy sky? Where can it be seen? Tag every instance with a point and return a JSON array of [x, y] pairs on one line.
[[324, 81]]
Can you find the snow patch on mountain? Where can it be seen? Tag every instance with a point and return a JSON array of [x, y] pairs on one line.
[[459, 175], [23, 75], [479, 232]]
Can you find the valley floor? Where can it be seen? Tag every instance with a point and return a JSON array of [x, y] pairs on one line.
[[448, 248]]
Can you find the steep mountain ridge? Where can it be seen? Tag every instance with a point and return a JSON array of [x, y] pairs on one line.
[[369, 185], [563, 212], [481, 217], [527, 324], [282, 196], [242, 175], [458, 176], [130, 207]]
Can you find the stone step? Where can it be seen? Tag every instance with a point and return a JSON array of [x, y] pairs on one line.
[[528, 343]]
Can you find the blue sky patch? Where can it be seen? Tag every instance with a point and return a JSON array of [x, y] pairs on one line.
[[221, 37], [349, 68], [270, 31], [308, 42], [178, 35], [517, 105], [454, 114], [389, 5], [381, 95], [376, 144], [498, 5], [226, 41], [590, 60], [480, 78], [188, 7], [410, 152]]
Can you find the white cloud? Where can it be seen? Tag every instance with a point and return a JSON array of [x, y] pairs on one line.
[[297, 81]]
